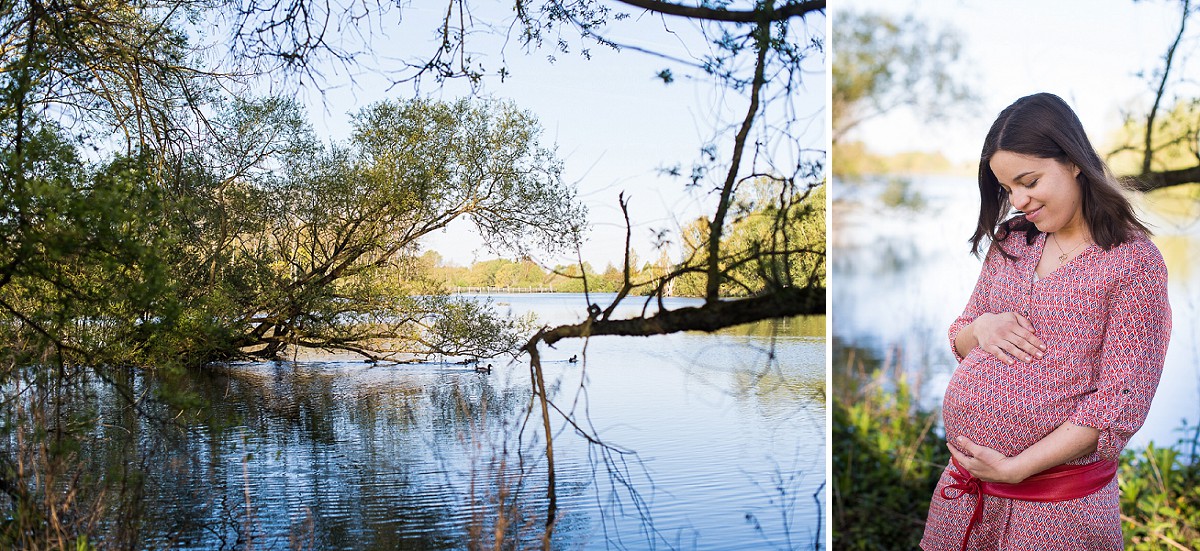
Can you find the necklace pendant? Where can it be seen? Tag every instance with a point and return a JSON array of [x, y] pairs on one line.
[[1062, 258]]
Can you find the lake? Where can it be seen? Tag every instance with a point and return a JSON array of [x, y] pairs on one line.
[[902, 271], [716, 441]]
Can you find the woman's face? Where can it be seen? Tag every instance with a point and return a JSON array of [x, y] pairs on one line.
[[1046, 190]]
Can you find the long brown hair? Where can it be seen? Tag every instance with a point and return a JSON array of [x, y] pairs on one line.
[[1043, 125]]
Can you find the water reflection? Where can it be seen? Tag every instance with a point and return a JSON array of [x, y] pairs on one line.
[[726, 432], [902, 272], [335, 454]]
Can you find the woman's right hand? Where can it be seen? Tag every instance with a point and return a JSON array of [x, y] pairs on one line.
[[1007, 335]]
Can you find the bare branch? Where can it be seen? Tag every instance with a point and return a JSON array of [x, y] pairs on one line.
[[1168, 58]]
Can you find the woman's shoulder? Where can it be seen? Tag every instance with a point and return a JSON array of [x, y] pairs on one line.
[[1139, 245], [1137, 254]]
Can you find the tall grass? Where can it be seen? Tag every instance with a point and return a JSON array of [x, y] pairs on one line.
[[50, 497], [887, 458]]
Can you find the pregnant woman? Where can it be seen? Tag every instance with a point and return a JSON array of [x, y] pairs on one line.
[[1060, 346]]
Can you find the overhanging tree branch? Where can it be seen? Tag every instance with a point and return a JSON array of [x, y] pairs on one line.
[[781, 13], [1169, 137], [1165, 178], [712, 316], [763, 38], [1168, 58]]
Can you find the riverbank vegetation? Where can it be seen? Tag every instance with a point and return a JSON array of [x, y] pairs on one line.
[[525, 275], [890, 454]]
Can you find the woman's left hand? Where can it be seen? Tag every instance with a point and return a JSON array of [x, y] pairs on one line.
[[985, 463]]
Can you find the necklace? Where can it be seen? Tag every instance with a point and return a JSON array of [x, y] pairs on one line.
[[1063, 257]]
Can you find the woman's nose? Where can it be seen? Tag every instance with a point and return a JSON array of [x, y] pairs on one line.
[[1019, 199]]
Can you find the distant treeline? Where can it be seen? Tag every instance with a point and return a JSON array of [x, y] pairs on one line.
[[525, 274], [855, 161]]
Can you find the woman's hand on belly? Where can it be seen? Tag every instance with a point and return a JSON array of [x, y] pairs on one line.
[[985, 463], [1006, 336], [1065, 443]]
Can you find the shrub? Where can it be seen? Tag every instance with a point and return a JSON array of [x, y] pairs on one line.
[[1160, 500], [886, 461]]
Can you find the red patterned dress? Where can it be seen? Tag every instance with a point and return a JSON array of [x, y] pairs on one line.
[[1105, 319]]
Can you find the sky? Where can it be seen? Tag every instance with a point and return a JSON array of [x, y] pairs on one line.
[[1086, 51], [614, 124]]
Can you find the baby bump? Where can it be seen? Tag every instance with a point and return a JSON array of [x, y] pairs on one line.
[[1005, 407]]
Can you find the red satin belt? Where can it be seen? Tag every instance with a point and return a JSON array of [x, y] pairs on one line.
[[1054, 484]]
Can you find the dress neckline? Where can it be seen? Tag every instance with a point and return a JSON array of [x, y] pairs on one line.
[[1039, 248]]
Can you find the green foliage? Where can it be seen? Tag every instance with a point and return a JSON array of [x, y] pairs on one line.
[[1160, 496], [527, 275], [97, 67], [1174, 145], [84, 291], [852, 160], [887, 458], [898, 192], [883, 63], [80, 265], [855, 161], [570, 279], [481, 159], [282, 241], [463, 328], [497, 273], [766, 246]]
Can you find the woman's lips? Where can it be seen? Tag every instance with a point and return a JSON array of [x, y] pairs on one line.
[[1031, 215]]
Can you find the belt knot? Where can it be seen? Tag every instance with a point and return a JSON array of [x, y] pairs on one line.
[[966, 485]]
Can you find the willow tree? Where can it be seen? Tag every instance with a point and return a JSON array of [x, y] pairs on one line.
[[99, 75], [318, 247], [80, 274]]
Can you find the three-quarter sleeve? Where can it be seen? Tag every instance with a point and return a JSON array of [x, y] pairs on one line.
[[978, 303], [1137, 330]]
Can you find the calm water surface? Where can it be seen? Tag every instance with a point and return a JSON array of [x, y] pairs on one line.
[[902, 271], [718, 444]]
